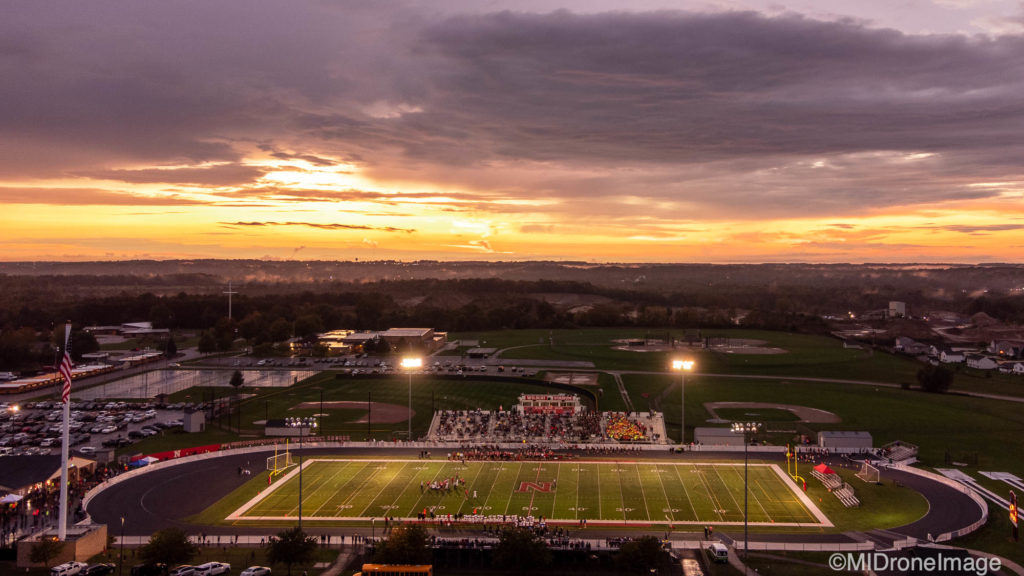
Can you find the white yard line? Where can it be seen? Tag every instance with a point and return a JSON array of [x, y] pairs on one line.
[[746, 488], [657, 468], [688, 499], [739, 507], [643, 494], [711, 496], [328, 499], [513, 492], [385, 487]]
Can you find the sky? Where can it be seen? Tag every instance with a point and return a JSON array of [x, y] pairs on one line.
[[597, 130]]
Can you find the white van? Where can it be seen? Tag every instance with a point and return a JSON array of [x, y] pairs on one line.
[[717, 552]]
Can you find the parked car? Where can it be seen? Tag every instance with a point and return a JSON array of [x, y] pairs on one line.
[[213, 569], [98, 569], [256, 571], [183, 570], [149, 569]]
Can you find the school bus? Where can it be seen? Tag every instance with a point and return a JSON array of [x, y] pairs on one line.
[[397, 569]]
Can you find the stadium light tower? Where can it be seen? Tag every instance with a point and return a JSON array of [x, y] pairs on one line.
[[304, 424], [410, 364], [682, 366], [745, 428]]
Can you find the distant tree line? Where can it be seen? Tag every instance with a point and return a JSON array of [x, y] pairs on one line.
[[266, 313]]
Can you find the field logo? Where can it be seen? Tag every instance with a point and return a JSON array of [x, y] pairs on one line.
[[535, 486]]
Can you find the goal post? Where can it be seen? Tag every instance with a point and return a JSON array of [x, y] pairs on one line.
[[869, 473], [279, 462]]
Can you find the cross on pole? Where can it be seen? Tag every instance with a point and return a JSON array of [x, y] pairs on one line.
[[229, 292]]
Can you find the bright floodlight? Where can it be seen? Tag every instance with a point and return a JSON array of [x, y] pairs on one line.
[[412, 362], [682, 365], [746, 427]]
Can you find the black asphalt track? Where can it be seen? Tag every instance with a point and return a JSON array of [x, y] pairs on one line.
[[167, 497]]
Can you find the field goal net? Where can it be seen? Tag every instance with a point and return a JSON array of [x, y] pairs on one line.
[[279, 462], [869, 473]]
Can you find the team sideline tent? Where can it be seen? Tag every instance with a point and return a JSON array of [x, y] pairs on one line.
[[824, 469]]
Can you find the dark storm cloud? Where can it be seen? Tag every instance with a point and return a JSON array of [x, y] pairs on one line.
[[716, 111], [677, 87]]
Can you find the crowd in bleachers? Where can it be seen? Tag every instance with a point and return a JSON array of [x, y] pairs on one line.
[[514, 426], [623, 428]]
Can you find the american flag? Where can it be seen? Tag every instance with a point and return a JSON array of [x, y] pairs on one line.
[[65, 371]]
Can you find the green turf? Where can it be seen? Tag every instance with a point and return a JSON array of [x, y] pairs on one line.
[[642, 492], [806, 356]]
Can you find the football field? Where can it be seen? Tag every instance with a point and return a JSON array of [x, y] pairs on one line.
[[600, 492]]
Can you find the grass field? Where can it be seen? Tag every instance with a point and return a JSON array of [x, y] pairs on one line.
[[602, 492]]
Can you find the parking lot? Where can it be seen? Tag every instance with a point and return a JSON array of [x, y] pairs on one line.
[[35, 427]]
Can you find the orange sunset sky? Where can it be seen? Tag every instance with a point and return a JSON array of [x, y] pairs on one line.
[[735, 131]]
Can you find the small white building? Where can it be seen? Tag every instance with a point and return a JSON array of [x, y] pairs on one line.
[[897, 309], [710, 436], [981, 362], [845, 439], [950, 356], [194, 420]]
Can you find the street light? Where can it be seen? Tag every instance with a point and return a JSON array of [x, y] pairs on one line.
[[410, 364], [682, 366], [303, 424], [745, 428]]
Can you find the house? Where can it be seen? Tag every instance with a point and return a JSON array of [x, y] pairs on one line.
[[910, 346], [1005, 348], [981, 362], [950, 356]]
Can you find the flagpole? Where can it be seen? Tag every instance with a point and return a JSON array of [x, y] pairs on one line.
[[65, 369]]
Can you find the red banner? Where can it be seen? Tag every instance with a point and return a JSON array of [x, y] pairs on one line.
[[172, 454]]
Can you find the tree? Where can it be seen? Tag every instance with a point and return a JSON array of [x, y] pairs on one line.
[[237, 379], [171, 350], [641, 555], [521, 549], [405, 545], [168, 546], [290, 547], [934, 379], [45, 551], [207, 342]]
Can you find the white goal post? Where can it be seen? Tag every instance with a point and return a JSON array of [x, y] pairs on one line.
[[279, 462], [868, 473]]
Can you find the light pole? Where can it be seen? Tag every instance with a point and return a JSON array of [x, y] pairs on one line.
[[682, 366], [410, 364], [120, 557], [303, 424], [745, 428]]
